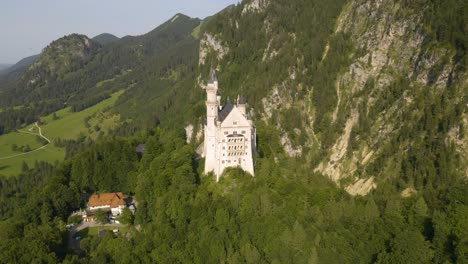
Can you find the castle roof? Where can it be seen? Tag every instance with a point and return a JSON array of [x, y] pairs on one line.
[[225, 112], [102, 199]]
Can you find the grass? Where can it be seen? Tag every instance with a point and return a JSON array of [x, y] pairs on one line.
[[196, 31], [69, 125], [101, 83], [21, 139]]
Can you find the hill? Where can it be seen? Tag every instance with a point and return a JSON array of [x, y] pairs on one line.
[[59, 127], [4, 66], [105, 38], [68, 71], [75, 73], [356, 97], [13, 72]]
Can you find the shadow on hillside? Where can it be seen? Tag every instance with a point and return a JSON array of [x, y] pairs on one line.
[[4, 167]]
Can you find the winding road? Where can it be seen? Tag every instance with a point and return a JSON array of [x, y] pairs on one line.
[[37, 134]]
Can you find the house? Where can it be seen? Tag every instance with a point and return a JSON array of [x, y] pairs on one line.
[[88, 216], [230, 135], [114, 202]]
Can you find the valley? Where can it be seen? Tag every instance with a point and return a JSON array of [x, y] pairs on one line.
[[66, 125]]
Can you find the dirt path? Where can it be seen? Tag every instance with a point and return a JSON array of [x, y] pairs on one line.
[[36, 134]]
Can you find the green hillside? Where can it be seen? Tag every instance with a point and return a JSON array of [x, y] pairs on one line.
[[66, 125], [105, 38]]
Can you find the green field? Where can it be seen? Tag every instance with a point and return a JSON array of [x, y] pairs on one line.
[[69, 125], [196, 31]]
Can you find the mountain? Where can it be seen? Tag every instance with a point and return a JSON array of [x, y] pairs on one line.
[[13, 72], [105, 38], [76, 70], [358, 90], [350, 94], [4, 66]]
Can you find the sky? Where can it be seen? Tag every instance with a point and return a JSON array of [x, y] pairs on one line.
[[28, 26]]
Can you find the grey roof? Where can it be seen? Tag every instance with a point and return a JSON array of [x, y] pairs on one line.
[[225, 112], [213, 77]]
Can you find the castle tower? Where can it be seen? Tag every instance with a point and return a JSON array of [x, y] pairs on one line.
[[212, 105], [241, 105]]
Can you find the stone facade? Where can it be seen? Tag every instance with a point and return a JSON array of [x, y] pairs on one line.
[[230, 136]]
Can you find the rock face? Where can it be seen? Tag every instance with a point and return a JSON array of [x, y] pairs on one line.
[[361, 186], [254, 6], [210, 43]]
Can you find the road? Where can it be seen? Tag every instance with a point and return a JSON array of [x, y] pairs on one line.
[[36, 134]]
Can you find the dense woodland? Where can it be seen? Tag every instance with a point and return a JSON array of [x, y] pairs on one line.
[[284, 214], [287, 213]]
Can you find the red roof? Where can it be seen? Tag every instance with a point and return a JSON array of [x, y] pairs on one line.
[[102, 199]]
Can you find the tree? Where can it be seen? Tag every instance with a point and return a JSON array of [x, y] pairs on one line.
[[24, 167], [126, 217], [75, 219], [100, 216], [408, 246]]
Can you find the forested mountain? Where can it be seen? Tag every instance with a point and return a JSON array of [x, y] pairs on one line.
[[13, 72], [357, 88], [105, 38], [4, 66], [75, 70], [360, 110]]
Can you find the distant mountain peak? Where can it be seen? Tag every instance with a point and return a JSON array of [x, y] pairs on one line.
[[105, 38]]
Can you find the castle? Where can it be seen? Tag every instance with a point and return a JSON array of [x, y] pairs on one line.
[[230, 137]]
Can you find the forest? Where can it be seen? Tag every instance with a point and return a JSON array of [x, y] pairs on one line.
[[284, 214]]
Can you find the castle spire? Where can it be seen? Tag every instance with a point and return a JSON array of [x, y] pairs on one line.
[[213, 77]]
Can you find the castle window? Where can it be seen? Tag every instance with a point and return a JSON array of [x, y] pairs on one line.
[[234, 132], [225, 132], [224, 147], [234, 123], [223, 161], [243, 131]]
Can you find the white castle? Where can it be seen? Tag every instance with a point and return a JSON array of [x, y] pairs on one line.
[[230, 137]]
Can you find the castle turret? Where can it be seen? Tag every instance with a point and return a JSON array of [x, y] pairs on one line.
[[212, 105], [212, 100], [241, 105]]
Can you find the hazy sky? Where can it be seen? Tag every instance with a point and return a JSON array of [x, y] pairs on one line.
[[27, 26]]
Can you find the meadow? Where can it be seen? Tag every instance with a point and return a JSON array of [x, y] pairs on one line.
[[65, 125]]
